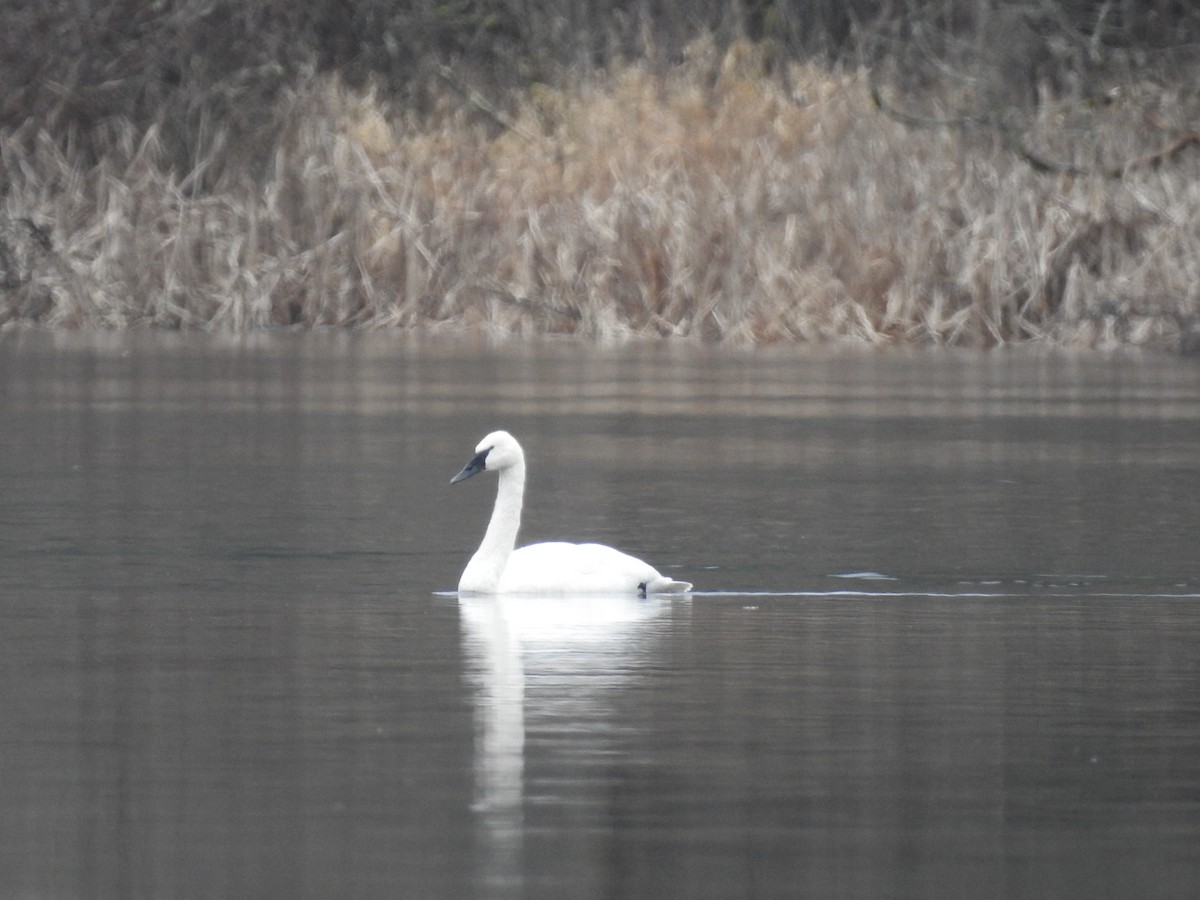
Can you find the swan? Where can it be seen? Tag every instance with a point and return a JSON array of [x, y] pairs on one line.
[[554, 567]]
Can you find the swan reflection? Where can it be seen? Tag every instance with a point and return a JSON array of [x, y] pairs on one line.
[[538, 659]]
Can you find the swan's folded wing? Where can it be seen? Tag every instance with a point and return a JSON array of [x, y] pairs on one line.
[[558, 567]]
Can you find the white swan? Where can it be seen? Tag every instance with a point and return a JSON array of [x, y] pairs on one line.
[[550, 568]]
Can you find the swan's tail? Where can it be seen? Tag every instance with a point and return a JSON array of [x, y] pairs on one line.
[[666, 585]]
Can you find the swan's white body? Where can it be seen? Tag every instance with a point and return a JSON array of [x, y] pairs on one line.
[[550, 568]]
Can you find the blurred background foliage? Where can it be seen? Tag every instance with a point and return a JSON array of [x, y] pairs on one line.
[[208, 73]]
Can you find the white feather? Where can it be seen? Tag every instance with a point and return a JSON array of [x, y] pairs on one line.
[[550, 568]]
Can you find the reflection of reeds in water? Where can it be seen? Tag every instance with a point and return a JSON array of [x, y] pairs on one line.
[[712, 201]]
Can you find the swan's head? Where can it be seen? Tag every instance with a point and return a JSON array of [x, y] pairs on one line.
[[499, 450]]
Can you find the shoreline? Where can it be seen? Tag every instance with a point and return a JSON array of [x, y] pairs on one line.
[[706, 202]]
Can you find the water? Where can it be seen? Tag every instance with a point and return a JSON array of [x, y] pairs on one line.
[[944, 641]]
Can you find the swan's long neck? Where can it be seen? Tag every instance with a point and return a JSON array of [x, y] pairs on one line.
[[487, 565]]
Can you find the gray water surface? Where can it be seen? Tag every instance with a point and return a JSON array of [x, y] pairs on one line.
[[944, 641]]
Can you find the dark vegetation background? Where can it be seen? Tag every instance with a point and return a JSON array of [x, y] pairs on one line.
[[951, 171], [208, 71]]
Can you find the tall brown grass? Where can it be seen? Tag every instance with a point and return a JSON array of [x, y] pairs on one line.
[[710, 200]]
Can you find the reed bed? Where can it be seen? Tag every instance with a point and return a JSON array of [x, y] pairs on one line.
[[708, 200]]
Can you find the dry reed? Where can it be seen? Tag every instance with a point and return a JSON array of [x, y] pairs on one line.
[[708, 201]]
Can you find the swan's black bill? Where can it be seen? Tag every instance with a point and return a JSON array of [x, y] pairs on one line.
[[474, 467]]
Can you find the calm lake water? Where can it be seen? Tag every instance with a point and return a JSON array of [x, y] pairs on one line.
[[945, 640]]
